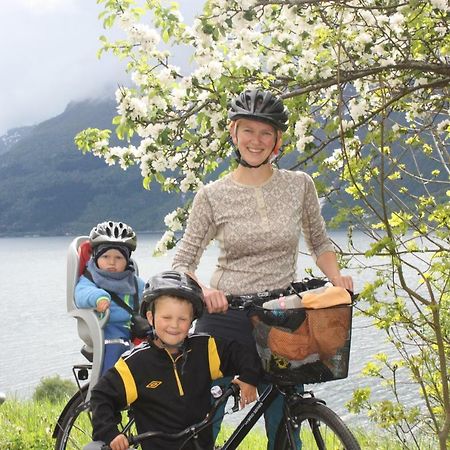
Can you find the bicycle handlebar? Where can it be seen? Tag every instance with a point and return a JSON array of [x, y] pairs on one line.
[[257, 299], [244, 301], [232, 390]]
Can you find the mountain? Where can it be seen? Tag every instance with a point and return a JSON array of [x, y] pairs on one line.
[[48, 187], [13, 136]]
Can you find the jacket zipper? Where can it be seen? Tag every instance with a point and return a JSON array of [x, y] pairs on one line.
[[175, 371]]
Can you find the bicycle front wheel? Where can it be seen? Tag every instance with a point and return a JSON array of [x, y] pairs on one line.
[[319, 428]]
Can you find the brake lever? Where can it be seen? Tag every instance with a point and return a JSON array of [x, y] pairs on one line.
[[236, 397]]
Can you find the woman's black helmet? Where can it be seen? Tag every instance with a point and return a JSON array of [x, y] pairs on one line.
[[173, 283], [114, 233], [259, 105]]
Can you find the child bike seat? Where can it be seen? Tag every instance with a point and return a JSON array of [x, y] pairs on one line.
[[89, 323]]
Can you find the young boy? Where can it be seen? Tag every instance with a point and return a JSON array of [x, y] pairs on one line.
[[109, 271], [167, 381]]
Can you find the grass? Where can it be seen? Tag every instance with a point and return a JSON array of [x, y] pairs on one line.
[[29, 425], [257, 440]]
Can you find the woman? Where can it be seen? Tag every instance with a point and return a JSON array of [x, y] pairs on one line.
[[256, 213]]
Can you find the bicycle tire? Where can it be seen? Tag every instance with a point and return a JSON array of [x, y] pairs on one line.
[[320, 428], [74, 427]]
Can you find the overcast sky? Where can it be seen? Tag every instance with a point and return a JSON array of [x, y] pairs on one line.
[[48, 58]]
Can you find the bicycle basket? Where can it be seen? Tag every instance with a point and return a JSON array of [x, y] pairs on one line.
[[304, 345]]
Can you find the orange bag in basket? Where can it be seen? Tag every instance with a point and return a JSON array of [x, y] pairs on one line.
[[323, 331], [294, 345]]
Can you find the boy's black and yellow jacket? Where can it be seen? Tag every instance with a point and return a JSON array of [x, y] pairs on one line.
[[168, 393]]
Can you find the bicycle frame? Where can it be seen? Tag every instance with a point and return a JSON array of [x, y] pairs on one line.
[[246, 424], [292, 397], [298, 407]]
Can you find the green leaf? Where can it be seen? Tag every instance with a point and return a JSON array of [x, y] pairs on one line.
[[146, 182]]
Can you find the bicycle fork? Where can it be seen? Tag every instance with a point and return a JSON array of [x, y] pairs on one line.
[[293, 428]]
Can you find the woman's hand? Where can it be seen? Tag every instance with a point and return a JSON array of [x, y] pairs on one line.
[[344, 281], [215, 300], [120, 442], [327, 263], [248, 392]]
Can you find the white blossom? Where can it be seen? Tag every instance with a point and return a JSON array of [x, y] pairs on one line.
[[178, 98], [169, 183], [274, 59], [215, 119], [246, 4], [368, 17], [346, 124], [362, 38], [167, 75], [440, 4], [420, 81], [302, 125], [214, 146], [443, 126], [378, 50], [335, 160], [326, 72], [173, 161], [190, 180], [110, 159], [215, 69], [138, 78], [387, 61], [100, 146], [442, 31], [126, 20], [382, 19], [146, 144], [137, 108], [396, 22], [159, 164], [172, 220], [161, 246], [142, 34], [157, 102], [190, 159], [287, 69], [357, 108], [396, 128], [191, 122]]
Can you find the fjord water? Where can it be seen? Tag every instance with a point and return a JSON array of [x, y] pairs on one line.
[[39, 339]]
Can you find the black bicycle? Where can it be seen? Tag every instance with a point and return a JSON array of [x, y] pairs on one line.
[[296, 346]]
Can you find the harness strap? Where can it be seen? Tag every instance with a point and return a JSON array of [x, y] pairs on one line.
[[116, 298]]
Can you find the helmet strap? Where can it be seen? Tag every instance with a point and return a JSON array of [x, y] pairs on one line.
[[244, 163]]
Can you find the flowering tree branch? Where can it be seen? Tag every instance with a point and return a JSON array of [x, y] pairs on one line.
[[367, 86]]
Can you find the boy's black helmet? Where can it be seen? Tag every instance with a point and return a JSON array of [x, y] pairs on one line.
[[173, 283], [259, 105], [113, 233]]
